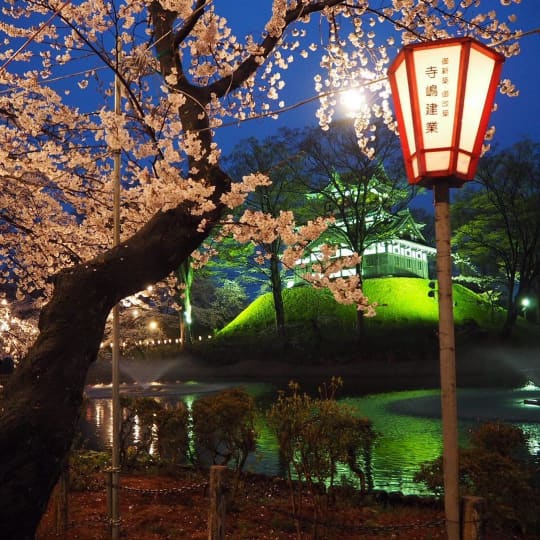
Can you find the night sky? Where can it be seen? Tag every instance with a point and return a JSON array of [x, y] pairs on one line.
[[515, 118]]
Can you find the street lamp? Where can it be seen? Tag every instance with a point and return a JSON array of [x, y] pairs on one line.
[[525, 304], [443, 94], [114, 503]]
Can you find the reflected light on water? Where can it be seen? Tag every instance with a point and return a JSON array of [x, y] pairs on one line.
[[100, 414], [408, 424], [136, 429], [105, 426], [533, 442], [533, 435], [188, 401], [404, 442], [529, 385], [153, 446]]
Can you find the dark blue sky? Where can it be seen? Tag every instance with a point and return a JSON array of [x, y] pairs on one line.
[[520, 116], [515, 117]]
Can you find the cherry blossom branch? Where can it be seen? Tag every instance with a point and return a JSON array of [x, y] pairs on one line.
[[190, 23], [298, 104], [397, 23], [33, 36], [275, 29], [125, 85]]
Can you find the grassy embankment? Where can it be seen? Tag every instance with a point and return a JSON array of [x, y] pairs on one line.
[[321, 330]]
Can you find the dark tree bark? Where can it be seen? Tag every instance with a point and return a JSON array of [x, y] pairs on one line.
[[42, 403], [277, 295], [360, 319]]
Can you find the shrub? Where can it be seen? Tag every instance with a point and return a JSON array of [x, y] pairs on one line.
[[140, 412], [314, 435], [83, 467], [172, 434], [504, 439], [497, 467], [224, 427]]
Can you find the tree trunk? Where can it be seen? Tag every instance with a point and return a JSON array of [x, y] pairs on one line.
[[42, 403], [513, 307], [184, 274], [360, 320], [277, 295], [510, 320]]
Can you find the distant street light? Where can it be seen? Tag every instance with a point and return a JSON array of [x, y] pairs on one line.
[[525, 304], [443, 94]]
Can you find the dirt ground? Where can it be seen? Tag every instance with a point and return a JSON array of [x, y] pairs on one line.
[[162, 507]]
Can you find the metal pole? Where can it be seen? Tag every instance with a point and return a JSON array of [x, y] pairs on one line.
[[115, 469], [447, 360]]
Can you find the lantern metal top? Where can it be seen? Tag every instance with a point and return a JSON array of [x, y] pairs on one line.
[[443, 93]]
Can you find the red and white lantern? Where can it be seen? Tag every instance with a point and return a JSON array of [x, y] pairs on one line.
[[443, 94]]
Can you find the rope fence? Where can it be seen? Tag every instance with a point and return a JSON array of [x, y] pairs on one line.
[[215, 492]]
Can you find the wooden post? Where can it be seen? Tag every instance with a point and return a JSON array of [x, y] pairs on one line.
[[473, 518], [216, 517], [447, 360]]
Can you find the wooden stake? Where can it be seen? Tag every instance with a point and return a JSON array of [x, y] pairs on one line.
[[216, 517], [473, 518]]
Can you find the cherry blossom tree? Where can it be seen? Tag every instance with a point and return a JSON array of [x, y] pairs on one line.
[[16, 332], [184, 74]]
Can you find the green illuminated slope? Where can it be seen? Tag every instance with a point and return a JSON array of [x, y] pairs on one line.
[[401, 302]]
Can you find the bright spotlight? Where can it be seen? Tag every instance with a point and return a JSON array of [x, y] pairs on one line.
[[353, 100]]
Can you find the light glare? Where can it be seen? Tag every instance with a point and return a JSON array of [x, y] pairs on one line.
[[353, 100]]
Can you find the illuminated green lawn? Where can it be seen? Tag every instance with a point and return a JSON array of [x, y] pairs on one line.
[[401, 302]]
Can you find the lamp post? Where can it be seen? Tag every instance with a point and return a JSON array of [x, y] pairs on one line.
[[443, 94], [115, 390]]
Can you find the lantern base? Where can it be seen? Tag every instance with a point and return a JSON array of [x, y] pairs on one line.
[[430, 181]]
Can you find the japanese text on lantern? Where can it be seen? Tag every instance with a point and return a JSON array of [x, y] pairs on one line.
[[437, 94]]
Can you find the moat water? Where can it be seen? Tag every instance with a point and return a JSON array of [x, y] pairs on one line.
[[408, 422]]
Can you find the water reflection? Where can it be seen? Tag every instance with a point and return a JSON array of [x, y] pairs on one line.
[[404, 442], [408, 424], [410, 431]]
